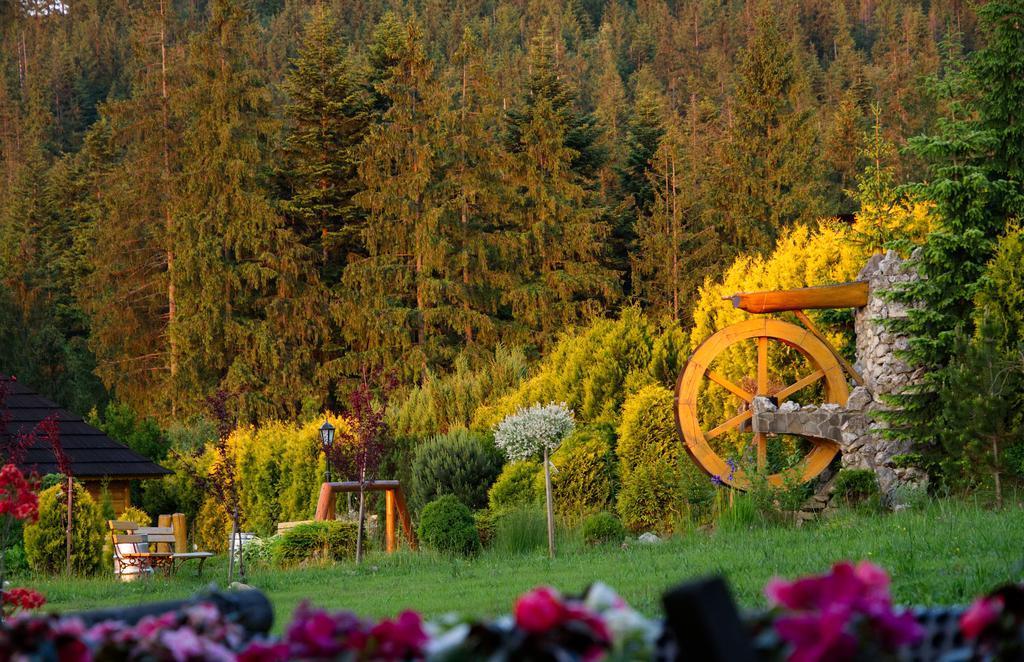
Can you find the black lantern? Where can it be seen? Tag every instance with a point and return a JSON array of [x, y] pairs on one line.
[[326, 440]]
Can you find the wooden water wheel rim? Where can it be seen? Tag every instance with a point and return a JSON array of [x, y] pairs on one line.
[[824, 366]]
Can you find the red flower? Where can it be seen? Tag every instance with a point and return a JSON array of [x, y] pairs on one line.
[[16, 495], [17, 599], [400, 639], [980, 615], [539, 610]]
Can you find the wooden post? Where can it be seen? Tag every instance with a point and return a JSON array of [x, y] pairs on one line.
[[71, 500], [389, 521], [551, 511], [180, 533]]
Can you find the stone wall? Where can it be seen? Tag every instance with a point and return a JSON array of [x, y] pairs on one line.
[[856, 427]]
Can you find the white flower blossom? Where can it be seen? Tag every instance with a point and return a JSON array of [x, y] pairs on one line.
[[526, 433]]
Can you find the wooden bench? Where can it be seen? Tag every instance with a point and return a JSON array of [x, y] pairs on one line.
[[147, 549], [132, 549], [165, 540]]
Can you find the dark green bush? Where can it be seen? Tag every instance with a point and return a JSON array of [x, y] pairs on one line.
[[602, 527], [461, 463], [856, 486], [45, 540], [515, 487], [446, 525], [315, 542]]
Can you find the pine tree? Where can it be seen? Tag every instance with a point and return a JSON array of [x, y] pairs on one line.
[[328, 113], [975, 184], [250, 311], [404, 315], [558, 226], [643, 136], [770, 177]]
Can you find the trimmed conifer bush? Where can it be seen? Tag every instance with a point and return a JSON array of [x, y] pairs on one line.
[[45, 539], [447, 526], [462, 463], [585, 478], [515, 487]]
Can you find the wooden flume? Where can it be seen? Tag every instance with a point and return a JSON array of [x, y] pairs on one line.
[[827, 366]]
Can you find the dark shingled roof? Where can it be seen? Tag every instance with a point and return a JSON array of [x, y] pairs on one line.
[[92, 453]]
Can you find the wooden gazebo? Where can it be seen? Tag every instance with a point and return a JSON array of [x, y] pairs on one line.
[[95, 457]]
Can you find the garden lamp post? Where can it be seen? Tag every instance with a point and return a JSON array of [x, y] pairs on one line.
[[326, 440]]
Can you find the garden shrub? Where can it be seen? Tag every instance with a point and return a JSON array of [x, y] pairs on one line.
[[584, 480], [601, 528], [45, 539], [520, 531], [446, 525], [856, 486], [515, 487], [656, 475], [461, 463], [137, 515], [485, 525], [315, 542], [212, 527], [591, 370], [175, 493]]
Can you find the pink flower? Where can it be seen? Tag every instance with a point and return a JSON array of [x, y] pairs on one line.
[[980, 615], [400, 639], [539, 610], [259, 651], [182, 643]]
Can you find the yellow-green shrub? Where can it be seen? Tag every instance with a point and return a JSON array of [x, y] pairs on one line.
[[212, 527], [660, 484], [515, 487], [315, 542], [591, 370], [137, 515], [45, 539], [584, 479]]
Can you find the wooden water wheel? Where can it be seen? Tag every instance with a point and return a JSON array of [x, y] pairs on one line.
[[822, 379]]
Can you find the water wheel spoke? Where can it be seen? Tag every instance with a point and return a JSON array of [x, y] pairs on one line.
[[762, 365], [801, 383], [733, 422], [762, 450], [730, 386]]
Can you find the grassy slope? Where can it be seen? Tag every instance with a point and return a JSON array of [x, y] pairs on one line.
[[947, 554]]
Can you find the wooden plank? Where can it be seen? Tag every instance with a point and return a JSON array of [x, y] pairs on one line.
[[846, 295], [180, 528], [729, 424], [128, 539], [762, 365], [801, 383], [121, 525]]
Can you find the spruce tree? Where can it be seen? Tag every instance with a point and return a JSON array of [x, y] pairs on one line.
[[976, 184], [403, 315], [327, 113], [250, 311], [770, 177], [559, 227]]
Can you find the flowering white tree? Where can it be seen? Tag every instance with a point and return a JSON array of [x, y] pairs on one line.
[[536, 430]]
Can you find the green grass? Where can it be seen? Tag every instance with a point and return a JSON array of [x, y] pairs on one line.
[[945, 554]]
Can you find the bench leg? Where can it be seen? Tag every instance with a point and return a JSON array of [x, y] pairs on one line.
[[199, 573]]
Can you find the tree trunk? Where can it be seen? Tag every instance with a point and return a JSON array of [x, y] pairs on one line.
[[359, 529], [67, 544], [550, 508], [995, 472], [232, 550]]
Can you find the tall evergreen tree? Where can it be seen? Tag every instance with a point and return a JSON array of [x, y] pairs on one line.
[[250, 312], [403, 314], [558, 225], [770, 178], [977, 186], [328, 113]]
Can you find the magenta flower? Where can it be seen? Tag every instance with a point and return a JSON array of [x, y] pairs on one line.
[[539, 610], [832, 614], [400, 639]]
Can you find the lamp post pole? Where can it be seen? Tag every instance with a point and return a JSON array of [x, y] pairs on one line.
[[326, 440]]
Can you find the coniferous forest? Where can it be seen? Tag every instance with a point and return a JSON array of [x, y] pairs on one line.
[[267, 197]]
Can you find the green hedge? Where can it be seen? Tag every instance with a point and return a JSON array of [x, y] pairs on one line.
[[315, 542], [602, 528], [585, 475], [515, 487]]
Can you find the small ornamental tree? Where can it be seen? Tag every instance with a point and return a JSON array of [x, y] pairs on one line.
[[359, 449], [537, 430]]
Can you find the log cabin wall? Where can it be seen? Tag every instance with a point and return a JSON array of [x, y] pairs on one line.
[[120, 494]]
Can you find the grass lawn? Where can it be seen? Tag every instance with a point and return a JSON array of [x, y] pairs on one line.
[[944, 554]]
